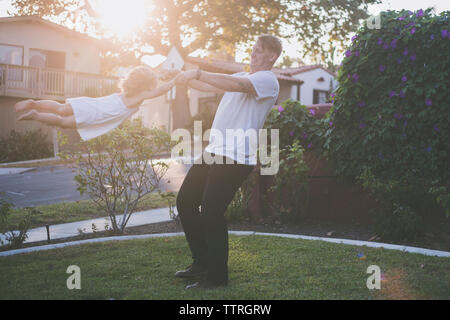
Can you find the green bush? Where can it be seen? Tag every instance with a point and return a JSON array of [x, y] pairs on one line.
[[296, 122], [15, 234], [391, 111], [31, 145], [289, 183]]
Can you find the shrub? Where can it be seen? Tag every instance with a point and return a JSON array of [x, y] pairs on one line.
[[30, 145], [289, 183], [120, 168], [391, 111], [15, 234], [296, 122]]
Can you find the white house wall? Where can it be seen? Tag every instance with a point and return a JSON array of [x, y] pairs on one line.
[[310, 84], [81, 55]]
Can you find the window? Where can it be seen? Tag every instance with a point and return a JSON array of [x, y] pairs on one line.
[[11, 55], [320, 96]]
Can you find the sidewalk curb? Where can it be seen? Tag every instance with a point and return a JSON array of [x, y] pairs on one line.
[[408, 249]]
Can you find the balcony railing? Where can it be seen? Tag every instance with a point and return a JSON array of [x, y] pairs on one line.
[[46, 83]]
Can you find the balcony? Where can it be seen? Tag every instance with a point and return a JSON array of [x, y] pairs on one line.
[[54, 84]]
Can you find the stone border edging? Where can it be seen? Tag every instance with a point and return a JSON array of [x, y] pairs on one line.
[[427, 252]]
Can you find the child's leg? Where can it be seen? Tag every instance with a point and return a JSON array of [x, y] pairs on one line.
[[48, 106], [50, 119]]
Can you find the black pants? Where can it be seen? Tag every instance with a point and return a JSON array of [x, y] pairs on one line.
[[211, 186]]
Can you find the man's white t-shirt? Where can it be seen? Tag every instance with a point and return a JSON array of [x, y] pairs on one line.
[[235, 130]]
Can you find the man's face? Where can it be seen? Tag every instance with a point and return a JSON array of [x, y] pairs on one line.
[[260, 56]]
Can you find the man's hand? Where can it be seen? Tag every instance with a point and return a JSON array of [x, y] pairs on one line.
[[168, 74], [185, 76]]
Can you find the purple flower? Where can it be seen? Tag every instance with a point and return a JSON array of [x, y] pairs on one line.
[[410, 12], [404, 79], [380, 41], [429, 102], [380, 155], [362, 125], [312, 111], [362, 104], [291, 133], [444, 33], [382, 68], [436, 128], [392, 94], [404, 134], [354, 38], [399, 60], [405, 52], [398, 116], [305, 135], [386, 46], [429, 149], [357, 53], [409, 24], [413, 57], [309, 145], [280, 109], [355, 77], [348, 53], [394, 43], [401, 18], [419, 13], [413, 30], [330, 123], [432, 37]]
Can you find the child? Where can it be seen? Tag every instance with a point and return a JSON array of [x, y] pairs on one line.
[[93, 117]]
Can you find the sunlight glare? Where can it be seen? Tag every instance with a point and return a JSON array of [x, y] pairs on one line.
[[122, 17]]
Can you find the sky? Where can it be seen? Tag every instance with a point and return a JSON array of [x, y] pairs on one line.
[[290, 49]]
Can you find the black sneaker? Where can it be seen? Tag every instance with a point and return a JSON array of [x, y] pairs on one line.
[[192, 271]]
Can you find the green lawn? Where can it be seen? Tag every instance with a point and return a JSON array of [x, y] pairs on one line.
[[260, 268], [65, 212]]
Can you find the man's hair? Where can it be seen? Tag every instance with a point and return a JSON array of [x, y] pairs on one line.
[[139, 79], [271, 43]]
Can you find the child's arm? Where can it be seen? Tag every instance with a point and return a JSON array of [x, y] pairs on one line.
[[137, 100], [157, 91]]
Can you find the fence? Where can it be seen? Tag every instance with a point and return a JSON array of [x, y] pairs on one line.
[[46, 83]]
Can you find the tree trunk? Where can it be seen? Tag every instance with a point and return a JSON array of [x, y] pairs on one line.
[[181, 113]]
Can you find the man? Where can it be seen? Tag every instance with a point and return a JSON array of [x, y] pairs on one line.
[[208, 189]]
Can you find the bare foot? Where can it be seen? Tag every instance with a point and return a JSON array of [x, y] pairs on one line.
[[28, 116], [23, 105]]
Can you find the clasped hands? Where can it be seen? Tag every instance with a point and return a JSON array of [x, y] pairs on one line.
[[180, 77]]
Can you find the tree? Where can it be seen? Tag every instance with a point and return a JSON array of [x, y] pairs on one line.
[[220, 25]]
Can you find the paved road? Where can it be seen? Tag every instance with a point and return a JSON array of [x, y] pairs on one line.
[[46, 185]]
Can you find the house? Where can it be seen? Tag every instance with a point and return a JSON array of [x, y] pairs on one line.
[[307, 84], [43, 60]]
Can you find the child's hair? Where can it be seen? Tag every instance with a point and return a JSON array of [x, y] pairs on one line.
[[139, 79]]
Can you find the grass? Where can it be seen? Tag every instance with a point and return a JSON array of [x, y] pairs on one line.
[[260, 268], [65, 212]]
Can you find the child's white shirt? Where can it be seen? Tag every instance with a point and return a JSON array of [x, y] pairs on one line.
[[97, 116]]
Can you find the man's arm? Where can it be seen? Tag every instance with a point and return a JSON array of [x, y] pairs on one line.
[[201, 86], [221, 81]]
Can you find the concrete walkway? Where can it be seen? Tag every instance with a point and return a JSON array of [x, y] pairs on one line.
[[65, 230]]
